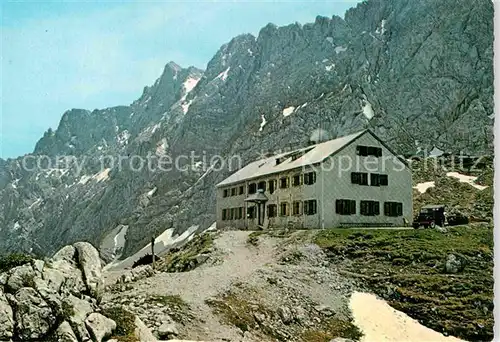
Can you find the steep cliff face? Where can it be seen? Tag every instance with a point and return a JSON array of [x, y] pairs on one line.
[[419, 74]]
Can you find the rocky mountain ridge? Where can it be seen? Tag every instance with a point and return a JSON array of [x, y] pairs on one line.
[[417, 73]]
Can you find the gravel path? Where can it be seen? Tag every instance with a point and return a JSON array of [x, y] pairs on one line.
[[196, 286]]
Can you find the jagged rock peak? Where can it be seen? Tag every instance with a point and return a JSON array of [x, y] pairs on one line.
[[173, 66]]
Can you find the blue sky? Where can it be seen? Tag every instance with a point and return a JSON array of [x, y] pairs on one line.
[[62, 55]]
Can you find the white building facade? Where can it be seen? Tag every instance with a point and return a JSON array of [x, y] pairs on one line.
[[352, 181]]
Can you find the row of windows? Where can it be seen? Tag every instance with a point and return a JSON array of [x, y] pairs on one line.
[[233, 213], [368, 151], [298, 208], [368, 208], [234, 191], [284, 182], [310, 207], [376, 179]]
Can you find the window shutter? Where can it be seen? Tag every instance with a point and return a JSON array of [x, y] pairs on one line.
[[376, 208]]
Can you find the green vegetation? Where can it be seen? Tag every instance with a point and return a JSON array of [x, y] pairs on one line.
[[168, 300], [179, 309], [331, 329], [185, 259], [244, 307], [125, 324], [14, 260], [407, 268], [240, 309], [68, 310], [292, 235]]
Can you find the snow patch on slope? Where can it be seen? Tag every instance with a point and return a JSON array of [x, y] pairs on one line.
[[263, 123], [287, 111], [339, 49], [223, 75], [185, 106], [368, 110], [190, 83], [422, 187], [466, 179]]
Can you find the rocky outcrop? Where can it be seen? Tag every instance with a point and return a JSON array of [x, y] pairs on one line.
[[6, 318], [55, 299]]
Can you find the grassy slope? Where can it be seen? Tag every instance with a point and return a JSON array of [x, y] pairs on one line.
[[407, 268]]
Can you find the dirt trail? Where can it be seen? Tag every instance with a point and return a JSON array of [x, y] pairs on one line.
[[196, 286]]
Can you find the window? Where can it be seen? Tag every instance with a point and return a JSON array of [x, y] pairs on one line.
[[224, 214], [284, 210], [252, 188], [310, 207], [272, 185], [368, 151], [296, 180], [393, 209], [345, 207], [284, 182], [384, 180], [378, 180], [242, 190], [296, 208], [360, 178], [262, 186], [272, 210], [369, 208], [226, 192], [310, 178], [251, 212], [233, 192]]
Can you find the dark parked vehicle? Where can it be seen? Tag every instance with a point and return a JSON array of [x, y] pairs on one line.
[[436, 215]]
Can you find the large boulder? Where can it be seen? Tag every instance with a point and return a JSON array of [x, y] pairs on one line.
[[54, 278], [72, 276], [142, 332], [453, 264], [90, 264], [20, 276], [64, 333], [99, 326], [167, 330], [52, 297], [6, 318], [34, 317], [67, 253], [76, 311]]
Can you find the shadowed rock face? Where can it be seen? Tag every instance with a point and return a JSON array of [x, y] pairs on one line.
[[419, 74]]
